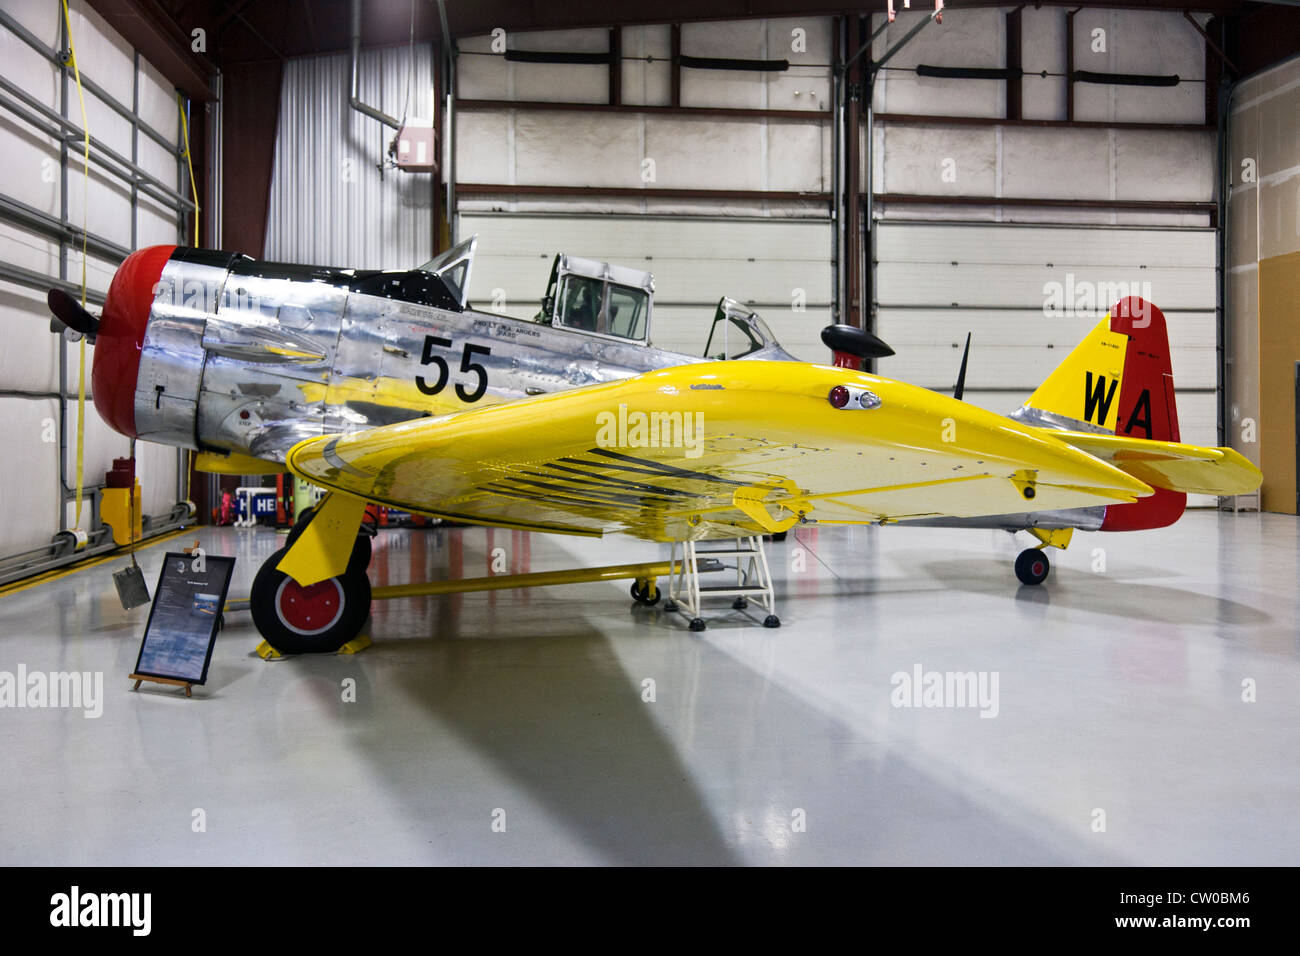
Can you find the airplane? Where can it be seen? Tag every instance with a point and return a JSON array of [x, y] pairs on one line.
[[387, 387]]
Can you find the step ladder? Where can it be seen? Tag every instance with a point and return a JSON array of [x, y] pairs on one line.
[[753, 579]]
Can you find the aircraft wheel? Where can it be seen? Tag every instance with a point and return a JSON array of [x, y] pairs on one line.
[[1032, 566], [647, 596], [317, 619]]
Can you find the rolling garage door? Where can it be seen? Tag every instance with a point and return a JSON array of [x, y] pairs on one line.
[[773, 265], [937, 281]]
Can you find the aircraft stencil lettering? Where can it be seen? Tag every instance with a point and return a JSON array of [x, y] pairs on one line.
[[1143, 404], [1097, 397]]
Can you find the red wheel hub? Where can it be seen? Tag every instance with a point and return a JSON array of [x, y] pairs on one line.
[[311, 609], [1038, 568]]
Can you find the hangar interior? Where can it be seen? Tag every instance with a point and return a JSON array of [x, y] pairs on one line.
[[1008, 171]]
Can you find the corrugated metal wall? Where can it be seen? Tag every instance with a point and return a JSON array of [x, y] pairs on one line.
[[330, 203], [29, 355]]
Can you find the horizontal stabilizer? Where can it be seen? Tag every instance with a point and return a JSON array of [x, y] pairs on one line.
[[1174, 466]]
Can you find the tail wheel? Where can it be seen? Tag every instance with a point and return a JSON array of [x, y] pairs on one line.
[[315, 619], [1032, 566], [646, 593]]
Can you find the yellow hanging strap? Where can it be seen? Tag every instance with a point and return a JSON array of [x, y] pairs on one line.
[[85, 205], [189, 163], [130, 539], [194, 191]]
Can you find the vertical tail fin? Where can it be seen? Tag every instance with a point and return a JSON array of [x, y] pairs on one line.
[[1118, 380]]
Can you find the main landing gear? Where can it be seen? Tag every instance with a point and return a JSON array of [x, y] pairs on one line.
[[317, 618]]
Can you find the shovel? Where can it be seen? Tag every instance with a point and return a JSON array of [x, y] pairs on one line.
[[131, 589]]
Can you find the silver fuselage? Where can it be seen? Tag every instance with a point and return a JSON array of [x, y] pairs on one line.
[[251, 357]]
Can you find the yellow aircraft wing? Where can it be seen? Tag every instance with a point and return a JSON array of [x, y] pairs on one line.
[[714, 449], [1193, 469]]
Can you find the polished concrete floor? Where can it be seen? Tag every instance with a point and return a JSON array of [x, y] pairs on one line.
[[1118, 733]]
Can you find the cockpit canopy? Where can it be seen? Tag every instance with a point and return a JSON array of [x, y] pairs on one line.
[[591, 296], [587, 295], [453, 268], [737, 331]]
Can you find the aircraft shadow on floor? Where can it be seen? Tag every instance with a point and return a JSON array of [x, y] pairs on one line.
[[1125, 596], [561, 717]]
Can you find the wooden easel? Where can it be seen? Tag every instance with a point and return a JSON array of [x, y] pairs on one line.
[[140, 678]]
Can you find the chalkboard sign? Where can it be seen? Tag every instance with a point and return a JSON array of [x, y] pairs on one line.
[[182, 626]]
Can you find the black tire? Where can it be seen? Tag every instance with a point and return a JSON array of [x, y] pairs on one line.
[[299, 524], [290, 616], [697, 624], [1032, 566], [771, 621], [361, 552]]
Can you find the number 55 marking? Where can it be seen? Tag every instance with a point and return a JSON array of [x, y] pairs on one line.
[[466, 365], [429, 358]]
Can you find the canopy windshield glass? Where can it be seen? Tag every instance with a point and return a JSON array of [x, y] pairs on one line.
[[453, 267], [594, 305], [736, 332]]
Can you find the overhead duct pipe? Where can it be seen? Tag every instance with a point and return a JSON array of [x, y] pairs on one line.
[[354, 98], [449, 118]]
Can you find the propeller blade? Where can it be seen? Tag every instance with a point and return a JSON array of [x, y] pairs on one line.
[[960, 387], [69, 311]]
